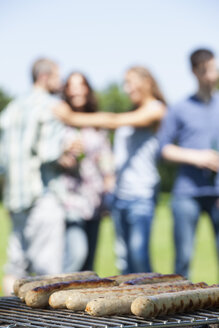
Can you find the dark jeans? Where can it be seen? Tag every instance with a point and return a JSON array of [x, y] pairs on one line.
[[186, 212], [80, 245], [132, 219]]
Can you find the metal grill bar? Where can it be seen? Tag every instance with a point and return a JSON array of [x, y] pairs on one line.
[[13, 313]]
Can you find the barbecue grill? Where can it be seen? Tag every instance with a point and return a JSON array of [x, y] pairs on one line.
[[14, 314]]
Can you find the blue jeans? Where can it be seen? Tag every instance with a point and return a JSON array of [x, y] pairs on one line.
[[132, 219], [186, 213]]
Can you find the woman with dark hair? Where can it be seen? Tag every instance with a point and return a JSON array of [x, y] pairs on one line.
[[85, 175], [78, 93], [137, 178]]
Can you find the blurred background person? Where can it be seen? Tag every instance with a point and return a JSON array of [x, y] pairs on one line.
[[81, 178], [137, 178], [36, 240], [190, 137]]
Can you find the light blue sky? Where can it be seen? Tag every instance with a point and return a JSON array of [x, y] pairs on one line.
[[103, 38]]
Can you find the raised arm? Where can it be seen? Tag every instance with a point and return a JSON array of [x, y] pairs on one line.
[[141, 117]]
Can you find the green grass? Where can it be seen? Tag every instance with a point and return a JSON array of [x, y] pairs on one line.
[[4, 231], [204, 265]]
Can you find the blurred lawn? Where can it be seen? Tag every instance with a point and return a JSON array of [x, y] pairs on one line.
[[204, 265]]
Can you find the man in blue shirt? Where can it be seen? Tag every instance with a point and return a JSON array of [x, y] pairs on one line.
[[189, 136]]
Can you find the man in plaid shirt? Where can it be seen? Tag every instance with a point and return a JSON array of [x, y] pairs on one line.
[[27, 141]]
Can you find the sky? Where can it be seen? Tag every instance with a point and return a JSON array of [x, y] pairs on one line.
[[104, 38]]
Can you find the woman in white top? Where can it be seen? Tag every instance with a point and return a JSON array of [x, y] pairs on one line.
[[137, 178]]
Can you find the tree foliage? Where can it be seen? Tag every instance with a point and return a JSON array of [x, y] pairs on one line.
[[113, 99], [4, 99], [167, 172]]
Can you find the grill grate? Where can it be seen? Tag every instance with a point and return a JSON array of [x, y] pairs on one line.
[[14, 314]]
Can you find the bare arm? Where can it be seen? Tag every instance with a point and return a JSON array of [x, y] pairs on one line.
[[205, 158], [141, 117]]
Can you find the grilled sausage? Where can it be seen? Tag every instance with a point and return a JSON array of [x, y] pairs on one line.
[[20, 282], [126, 277], [39, 296], [153, 279], [103, 306], [77, 300], [31, 285], [170, 303]]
